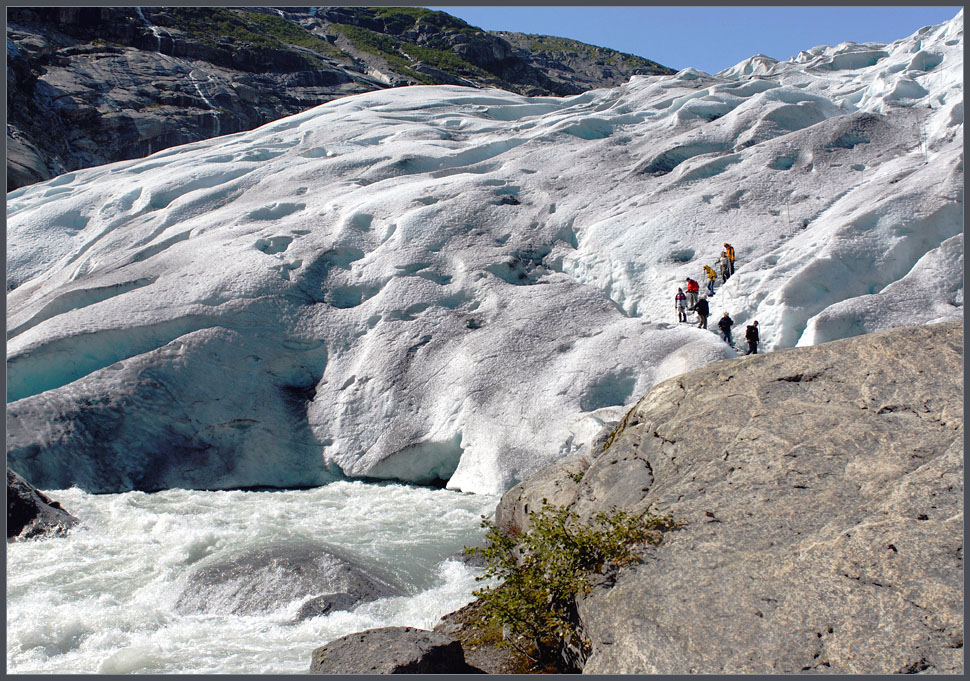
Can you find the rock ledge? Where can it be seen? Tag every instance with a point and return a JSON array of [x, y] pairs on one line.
[[391, 650], [822, 491]]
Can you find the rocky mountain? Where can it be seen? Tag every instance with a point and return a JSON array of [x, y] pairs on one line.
[[821, 491], [88, 86]]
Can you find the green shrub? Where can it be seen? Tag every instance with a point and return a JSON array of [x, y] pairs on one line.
[[544, 569]]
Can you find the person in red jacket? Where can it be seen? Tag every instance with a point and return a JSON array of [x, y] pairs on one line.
[[692, 289]]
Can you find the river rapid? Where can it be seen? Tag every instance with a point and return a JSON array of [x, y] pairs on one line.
[[102, 599]]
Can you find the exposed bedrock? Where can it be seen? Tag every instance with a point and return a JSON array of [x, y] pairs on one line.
[[31, 513], [271, 577], [822, 494]]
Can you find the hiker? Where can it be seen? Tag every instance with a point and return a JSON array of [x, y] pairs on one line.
[[724, 264], [702, 309], [711, 277], [751, 335], [680, 302], [692, 288], [729, 249], [724, 324]]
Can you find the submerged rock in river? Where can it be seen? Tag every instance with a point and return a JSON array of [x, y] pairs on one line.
[[271, 577], [31, 513], [822, 494], [325, 604]]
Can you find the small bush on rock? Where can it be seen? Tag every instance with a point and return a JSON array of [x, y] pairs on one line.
[[544, 569]]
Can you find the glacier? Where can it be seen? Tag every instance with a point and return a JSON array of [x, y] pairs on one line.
[[445, 285]]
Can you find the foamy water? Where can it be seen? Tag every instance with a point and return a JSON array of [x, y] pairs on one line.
[[101, 600]]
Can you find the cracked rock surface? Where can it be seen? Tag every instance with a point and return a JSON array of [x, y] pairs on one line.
[[822, 494]]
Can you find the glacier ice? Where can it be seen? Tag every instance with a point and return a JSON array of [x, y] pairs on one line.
[[442, 283]]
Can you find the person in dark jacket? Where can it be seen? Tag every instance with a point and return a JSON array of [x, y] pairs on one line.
[[703, 310], [724, 324], [751, 335], [680, 302]]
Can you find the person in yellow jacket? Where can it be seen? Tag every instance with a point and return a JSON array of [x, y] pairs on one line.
[[729, 249], [711, 277]]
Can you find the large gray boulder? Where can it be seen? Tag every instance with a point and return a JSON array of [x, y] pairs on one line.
[[31, 513], [391, 650], [822, 494], [271, 577]]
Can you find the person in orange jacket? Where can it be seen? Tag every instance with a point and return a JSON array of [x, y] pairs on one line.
[[729, 249]]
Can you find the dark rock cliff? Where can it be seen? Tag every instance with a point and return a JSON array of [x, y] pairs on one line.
[[31, 513], [822, 494], [88, 85]]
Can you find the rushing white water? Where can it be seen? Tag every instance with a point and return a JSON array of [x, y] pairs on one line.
[[101, 600]]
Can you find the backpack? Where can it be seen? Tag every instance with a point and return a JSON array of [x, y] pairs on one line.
[[730, 251], [751, 333]]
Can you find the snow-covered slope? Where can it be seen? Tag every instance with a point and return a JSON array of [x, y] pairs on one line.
[[441, 282]]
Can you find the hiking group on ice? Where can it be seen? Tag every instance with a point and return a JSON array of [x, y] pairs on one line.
[[691, 303]]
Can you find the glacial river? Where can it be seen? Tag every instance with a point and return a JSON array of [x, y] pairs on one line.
[[102, 599]]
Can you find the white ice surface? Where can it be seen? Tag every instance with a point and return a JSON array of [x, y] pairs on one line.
[[442, 282]]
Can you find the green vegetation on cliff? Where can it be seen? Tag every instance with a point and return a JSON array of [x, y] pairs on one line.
[[380, 45], [402, 56], [556, 47], [210, 25], [544, 569], [400, 19]]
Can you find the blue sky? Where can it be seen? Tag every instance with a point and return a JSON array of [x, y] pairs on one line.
[[709, 38]]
